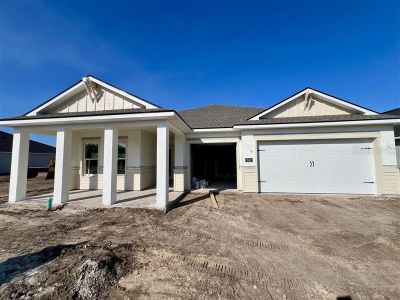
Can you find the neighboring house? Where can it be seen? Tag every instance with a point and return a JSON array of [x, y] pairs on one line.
[[39, 154], [112, 140], [396, 112]]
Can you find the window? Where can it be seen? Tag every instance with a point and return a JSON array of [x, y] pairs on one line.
[[121, 158], [91, 158]]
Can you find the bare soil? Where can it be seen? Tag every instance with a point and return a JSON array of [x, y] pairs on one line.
[[252, 247], [35, 186]]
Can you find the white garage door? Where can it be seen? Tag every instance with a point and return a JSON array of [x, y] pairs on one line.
[[334, 166]]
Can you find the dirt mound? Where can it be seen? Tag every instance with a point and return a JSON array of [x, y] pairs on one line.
[[81, 271]]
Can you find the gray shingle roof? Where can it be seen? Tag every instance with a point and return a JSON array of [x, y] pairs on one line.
[[34, 147], [218, 116], [395, 111]]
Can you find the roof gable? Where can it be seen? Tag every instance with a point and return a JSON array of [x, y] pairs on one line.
[[310, 102], [90, 95]]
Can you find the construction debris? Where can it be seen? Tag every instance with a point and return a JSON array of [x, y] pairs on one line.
[[213, 199]]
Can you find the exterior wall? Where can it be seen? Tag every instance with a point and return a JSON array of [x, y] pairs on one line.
[[35, 160], [296, 108], [390, 173], [140, 161], [107, 100], [390, 180], [141, 155], [387, 173], [148, 160]]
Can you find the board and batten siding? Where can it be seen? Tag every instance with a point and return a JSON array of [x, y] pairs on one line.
[[106, 100], [297, 108]]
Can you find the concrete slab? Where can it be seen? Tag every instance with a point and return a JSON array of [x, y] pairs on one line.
[[93, 198]]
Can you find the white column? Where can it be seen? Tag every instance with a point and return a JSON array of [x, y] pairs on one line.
[[162, 166], [19, 165], [180, 167], [63, 165], [110, 165]]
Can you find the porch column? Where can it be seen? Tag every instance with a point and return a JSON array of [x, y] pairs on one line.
[[162, 166], [63, 168], [110, 165], [19, 165], [180, 167]]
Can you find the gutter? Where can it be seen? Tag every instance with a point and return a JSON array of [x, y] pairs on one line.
[[320, 124]]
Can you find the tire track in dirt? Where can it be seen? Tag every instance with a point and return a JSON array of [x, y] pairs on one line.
[[249, 243], [223, 270], [261, 244]]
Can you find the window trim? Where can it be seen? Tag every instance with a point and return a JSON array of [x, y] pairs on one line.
[[96, 142], [122, 141]]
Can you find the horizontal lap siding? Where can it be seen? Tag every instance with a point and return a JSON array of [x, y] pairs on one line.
[[390, 180]]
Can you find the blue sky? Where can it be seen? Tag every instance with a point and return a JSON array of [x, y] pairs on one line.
[[183, 54]]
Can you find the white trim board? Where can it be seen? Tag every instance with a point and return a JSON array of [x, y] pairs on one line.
[[321, 124]]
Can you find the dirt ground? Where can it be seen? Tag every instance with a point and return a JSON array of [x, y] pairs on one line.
[[252, 247], [35, 186]]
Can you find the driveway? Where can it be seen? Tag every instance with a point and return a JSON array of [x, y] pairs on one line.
[[252, 247]]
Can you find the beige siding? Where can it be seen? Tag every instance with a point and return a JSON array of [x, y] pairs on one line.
[[179, 179], [81, 102], [96, 182], [250, 181], [296, 108], [147, 177], [390, 180]]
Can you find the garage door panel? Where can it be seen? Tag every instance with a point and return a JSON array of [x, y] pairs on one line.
[[317, 167]]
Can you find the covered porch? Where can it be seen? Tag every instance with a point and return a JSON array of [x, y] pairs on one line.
[[133, 163]]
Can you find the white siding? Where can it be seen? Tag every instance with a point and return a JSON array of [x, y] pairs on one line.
[[296, 108]]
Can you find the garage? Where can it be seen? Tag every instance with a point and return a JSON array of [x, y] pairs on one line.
[[317, 166], [215, 163]]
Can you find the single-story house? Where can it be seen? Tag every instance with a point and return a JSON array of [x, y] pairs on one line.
[[109, 139], [39, 154]]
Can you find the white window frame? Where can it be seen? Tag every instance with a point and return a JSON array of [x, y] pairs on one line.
[[122, 141], [87, 142]]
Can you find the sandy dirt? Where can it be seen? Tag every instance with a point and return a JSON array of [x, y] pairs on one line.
[[35, 186], [252, 247]]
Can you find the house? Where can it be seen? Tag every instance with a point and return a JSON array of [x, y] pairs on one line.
[[39, 154], [110, 139], [396, 112]]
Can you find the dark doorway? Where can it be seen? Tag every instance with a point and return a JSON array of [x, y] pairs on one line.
[[215, 163]]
